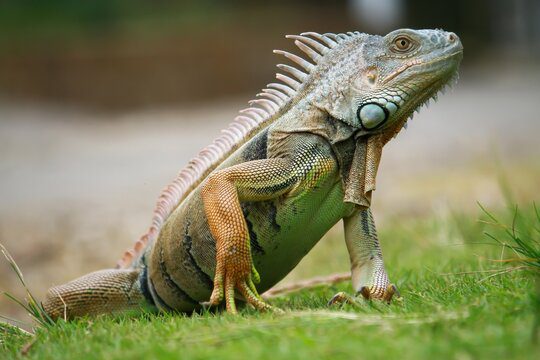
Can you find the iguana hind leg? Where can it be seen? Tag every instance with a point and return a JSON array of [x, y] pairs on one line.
[[99, 292]]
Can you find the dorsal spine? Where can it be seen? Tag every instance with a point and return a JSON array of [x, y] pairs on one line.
[[272, 102]]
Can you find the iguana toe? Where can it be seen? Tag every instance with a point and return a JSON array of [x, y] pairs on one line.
[[368, 293], [379, 293], [341, 298], [227, 283]]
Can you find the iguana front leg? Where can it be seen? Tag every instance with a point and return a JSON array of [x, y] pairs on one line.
[[222, 192], [369, 277]]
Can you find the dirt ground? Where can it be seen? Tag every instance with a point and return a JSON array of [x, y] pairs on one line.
[[77, 188]]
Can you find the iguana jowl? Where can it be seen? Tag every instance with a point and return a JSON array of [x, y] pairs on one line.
[[245, 211]]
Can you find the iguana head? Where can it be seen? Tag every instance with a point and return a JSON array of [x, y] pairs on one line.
[[374, 83]]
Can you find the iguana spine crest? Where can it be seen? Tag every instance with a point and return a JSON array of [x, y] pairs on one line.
[[272, 102]]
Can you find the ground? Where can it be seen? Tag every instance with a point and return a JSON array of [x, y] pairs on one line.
[[77, 188], [452, 307]]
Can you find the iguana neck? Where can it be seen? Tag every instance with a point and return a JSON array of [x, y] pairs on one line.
[[358, 153]]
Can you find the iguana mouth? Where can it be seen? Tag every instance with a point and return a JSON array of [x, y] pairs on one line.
[[460, 52], [418, 62]]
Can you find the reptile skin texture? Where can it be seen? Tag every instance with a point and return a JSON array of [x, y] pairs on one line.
[[305, 154]]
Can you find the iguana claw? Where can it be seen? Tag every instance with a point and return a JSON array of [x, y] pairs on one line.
[[226, 284], [386, 295], [368, 294], [341, 298]]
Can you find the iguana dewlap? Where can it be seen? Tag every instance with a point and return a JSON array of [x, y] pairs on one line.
[[252, 204]]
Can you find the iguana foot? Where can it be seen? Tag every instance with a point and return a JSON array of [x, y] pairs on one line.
[[228, 281], [341, 298], [368, 293], [377, 293]]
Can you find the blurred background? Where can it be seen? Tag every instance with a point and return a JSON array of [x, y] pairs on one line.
[[102, 102]]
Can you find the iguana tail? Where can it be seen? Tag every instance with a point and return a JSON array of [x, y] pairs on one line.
[[99, 292]]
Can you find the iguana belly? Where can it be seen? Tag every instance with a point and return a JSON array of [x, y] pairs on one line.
[[282, 232]]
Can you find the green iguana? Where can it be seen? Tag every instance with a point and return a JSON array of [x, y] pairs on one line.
[[248, 207]]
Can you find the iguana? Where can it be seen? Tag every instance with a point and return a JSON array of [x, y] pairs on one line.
[[248, 207]]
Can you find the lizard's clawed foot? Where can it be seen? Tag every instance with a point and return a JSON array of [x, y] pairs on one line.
[[368, 293], [341, 298], [383, 294], [227, 282]]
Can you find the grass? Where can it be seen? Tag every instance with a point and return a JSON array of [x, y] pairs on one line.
[[465, 296], [30, 304]]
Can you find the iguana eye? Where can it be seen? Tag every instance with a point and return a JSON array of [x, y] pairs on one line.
[[402, 44]]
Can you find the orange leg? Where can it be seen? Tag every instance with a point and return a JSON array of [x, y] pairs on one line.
[[222, 192]]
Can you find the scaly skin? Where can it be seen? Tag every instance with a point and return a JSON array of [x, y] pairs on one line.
[[253, 203], [95, 293]]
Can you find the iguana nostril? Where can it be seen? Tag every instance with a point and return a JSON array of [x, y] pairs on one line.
[[452, 37]]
